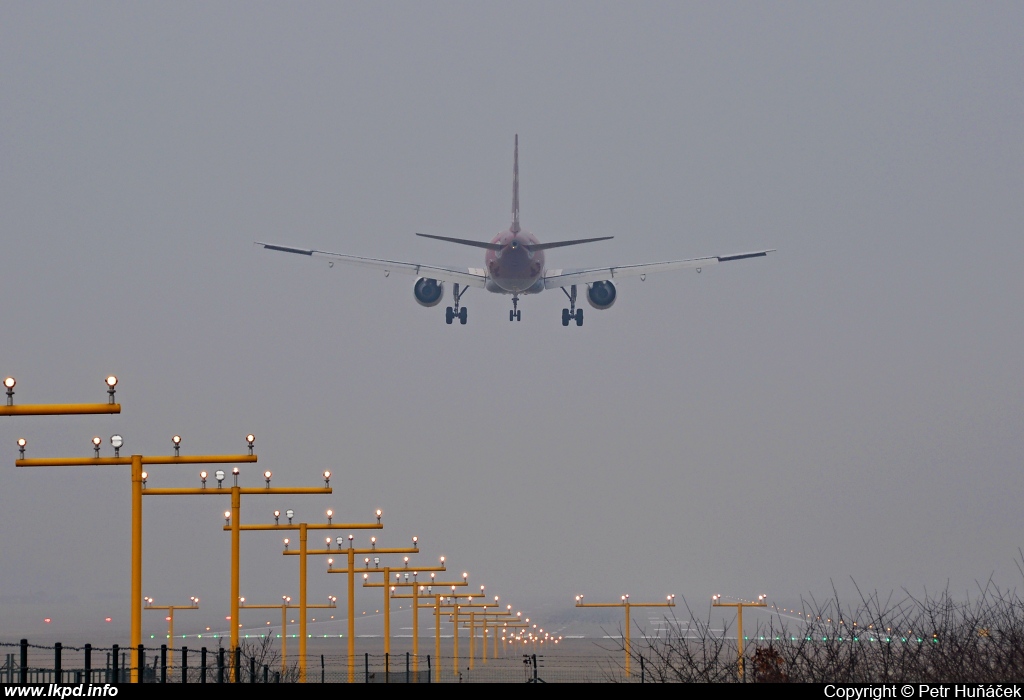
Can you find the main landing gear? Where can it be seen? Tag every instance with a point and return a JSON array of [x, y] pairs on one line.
[[515, 314], [572, 313], [451, 314]]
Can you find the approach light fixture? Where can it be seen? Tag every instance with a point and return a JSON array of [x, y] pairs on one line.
[[202, 477], [176, 441], [373, 543], [286, 541], [96, 442], [145, 477], [379, 513], [328, 542], [234, 473], [21, 446], [219, 476], [350, 538], [327, 477], [330, 514], [227, 517], [9, 382], [277, 517], [116, 441], [250, 439], [111, 383], [266, 477], [330, 563], [340, 541], [289, 514], [376, 562]]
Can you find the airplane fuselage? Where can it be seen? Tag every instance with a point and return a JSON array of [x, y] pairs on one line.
[[515, 269]]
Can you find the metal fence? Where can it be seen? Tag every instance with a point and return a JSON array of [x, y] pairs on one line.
[[31, 663]]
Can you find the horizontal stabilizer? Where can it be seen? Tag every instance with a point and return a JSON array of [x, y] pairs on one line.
[[463, 241], [561, 244]]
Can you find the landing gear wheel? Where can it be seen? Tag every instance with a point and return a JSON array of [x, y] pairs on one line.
[[572, 313], [511, 315], [519, 315], [450, 314]]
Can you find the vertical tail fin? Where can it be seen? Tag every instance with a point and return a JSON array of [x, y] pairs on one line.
[[515, 189]]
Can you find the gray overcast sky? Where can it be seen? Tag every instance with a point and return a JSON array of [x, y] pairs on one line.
[[849, 407]]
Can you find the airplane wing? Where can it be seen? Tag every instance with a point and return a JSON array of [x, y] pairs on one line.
[[554, 279], [472, 277]]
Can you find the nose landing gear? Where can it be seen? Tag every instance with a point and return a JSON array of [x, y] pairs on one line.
[[451, 314], [515, 314], [572, 313]]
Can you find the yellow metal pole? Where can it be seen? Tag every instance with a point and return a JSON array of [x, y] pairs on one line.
[[170, 636], [351, 613], [716, 602], [59, 409], [387, 611], [627, 638], [472, 637], [437, 633], [136, 592], [415, 629], [236, 546], [739, 639], [285, 606], [483, 646], [302, 602], [455, 634], [670, 603]]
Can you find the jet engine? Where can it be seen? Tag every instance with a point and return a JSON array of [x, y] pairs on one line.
[[428, 292], [601, 295]]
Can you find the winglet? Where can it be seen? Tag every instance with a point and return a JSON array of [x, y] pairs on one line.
[[515, 189]]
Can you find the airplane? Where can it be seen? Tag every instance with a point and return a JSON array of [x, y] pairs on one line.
[[514, 264]]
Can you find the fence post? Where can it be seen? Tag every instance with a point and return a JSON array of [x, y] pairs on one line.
[[88, 663], [428, 668], [163, 663], [202, 665], [141, 661], [407, 667], [322, 673], [252, 669], [387, 668], [24, 662], [184, 664], [56, 661], [366, 667], [115, 657], [238, 664], [643, 673], [266, 672], [220, 665]]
